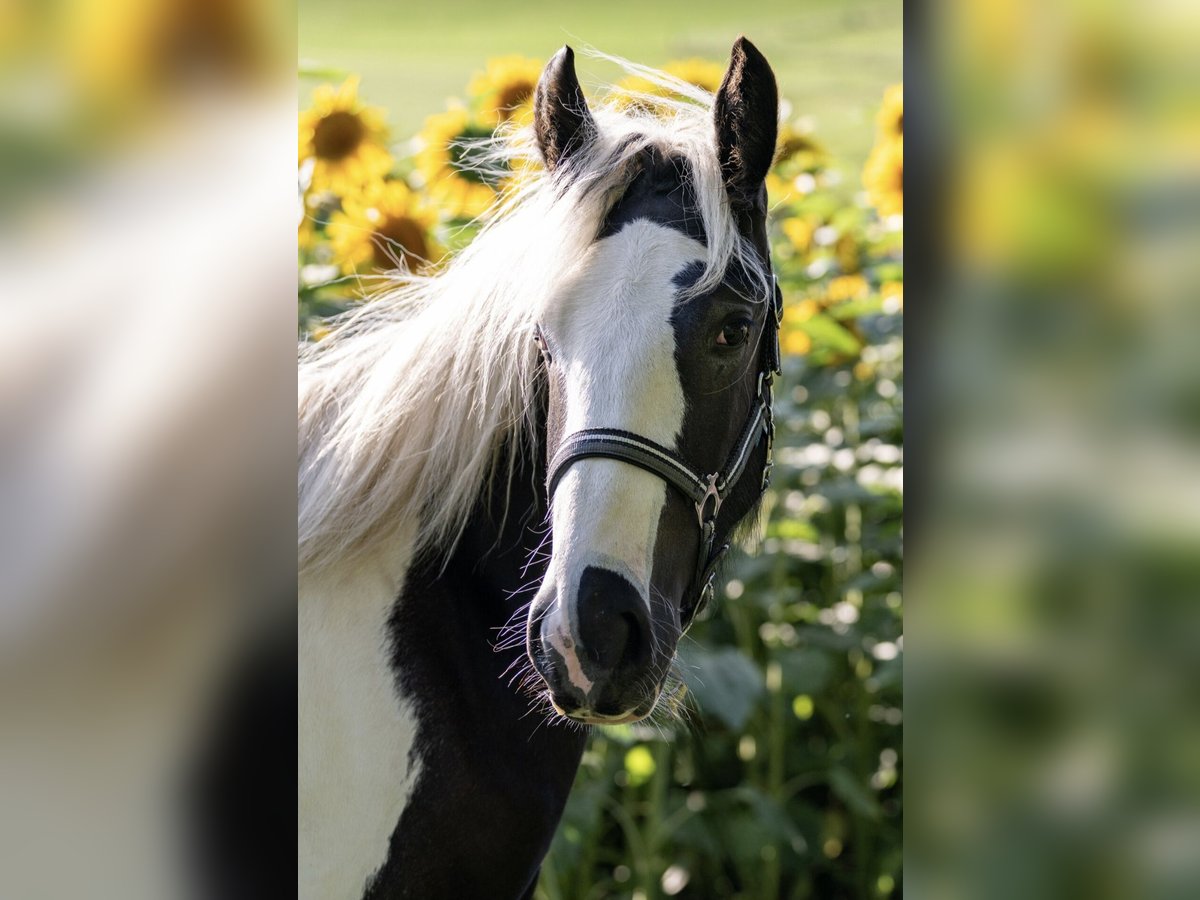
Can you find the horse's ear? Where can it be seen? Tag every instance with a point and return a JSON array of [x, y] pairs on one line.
[[561, 118], [746, 113]]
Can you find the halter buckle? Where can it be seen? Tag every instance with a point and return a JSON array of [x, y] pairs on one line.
[[710, 491]]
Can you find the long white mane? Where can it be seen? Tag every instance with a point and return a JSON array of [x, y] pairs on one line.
[[405, 407]]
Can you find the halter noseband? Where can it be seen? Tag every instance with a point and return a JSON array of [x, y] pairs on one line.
[[707, 492]]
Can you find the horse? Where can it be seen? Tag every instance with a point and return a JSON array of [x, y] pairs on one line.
[[518, 476]]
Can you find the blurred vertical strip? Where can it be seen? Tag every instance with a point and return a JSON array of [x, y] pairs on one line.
[[147, 447], [1053, 666]]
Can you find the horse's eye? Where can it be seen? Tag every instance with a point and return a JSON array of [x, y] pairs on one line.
[[734, 334]]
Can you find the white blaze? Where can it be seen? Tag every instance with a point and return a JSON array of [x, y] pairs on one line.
[[614, 345]]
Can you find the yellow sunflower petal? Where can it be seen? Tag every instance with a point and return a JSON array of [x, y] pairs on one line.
[[386, 226], [699, 72], [890, 118], [345, 139], [883, 177], [446, 168], [505, 88]]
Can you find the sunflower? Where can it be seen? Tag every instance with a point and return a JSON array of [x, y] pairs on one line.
[[799, 232], [385, 226], [505, 89], [697, 72], [797, 149], [700, 72], [796, 154], [846, 287], [883, 177], [890, 118], [794, 340], [344, 138], [445, 160]]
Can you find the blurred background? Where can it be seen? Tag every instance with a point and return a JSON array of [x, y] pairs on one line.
[[147, 446], [1051, 703], [782, 776], [147, 201], [412, 58]]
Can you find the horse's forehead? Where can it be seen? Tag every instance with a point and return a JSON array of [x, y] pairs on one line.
[[663, 191], [631, 281]]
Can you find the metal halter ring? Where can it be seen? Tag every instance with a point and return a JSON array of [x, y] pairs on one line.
[[710, 492]]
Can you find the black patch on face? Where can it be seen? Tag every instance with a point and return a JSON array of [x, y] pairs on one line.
[[720, 387], [663, 191]]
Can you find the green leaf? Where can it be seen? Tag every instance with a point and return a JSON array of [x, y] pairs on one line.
[[767, 811], [859, 799], [727, 685], [853, 309], [806, 670], [824, 330]]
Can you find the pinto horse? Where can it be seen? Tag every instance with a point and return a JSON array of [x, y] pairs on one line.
[[517, 477]]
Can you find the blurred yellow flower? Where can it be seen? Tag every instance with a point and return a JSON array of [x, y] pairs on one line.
[[505, 89], [700, 72], [848, 253], [793, 340], [444, 160], [344, 138], [522, 170], [883, 177], [798, 148], [385, 227], [893, 296], [697, 72], [890, 119], [795, 343], [795, 313], [779, 190], [846, 287], [306, 236], [800, 232]]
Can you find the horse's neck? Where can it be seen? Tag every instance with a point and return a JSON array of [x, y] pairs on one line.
[[493, 774]]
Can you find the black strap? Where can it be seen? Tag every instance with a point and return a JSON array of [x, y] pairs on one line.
[[706, 492], [625, 446]]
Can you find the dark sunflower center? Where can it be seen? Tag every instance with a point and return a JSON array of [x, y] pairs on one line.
[[337, 135], [795, 145], [512, 97], [399, 238], [467, 153]]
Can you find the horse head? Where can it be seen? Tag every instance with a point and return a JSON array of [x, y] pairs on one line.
[[659, 426]]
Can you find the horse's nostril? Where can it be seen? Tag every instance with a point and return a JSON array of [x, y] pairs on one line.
[[613, 622], [635, 640]]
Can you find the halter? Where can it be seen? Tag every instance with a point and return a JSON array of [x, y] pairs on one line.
[[707, 492]]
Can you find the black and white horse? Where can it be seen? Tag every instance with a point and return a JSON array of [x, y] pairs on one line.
[[516, 477]]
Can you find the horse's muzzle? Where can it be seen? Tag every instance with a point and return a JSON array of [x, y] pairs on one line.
[[600, 663]]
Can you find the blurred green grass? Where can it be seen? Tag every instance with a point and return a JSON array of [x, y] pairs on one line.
[[832, 57]]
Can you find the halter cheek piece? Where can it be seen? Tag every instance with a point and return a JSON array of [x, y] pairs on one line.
[[707, 492]]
